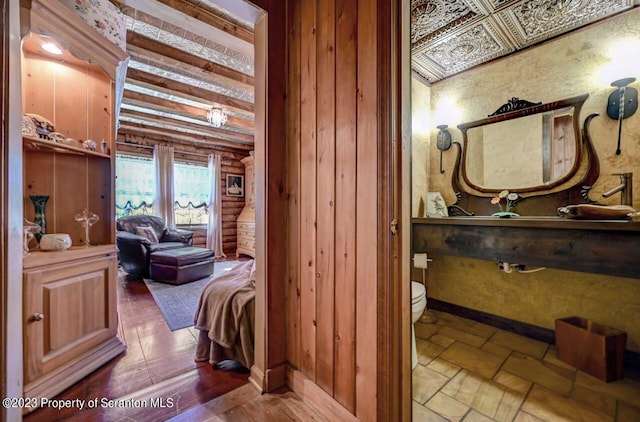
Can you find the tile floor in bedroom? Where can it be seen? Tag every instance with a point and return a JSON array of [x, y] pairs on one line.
[[470, 371], [157, 363]]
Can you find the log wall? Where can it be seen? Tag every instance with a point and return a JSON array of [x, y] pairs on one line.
[[231, 164]]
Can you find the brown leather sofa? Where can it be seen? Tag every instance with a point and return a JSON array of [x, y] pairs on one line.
[[134, 251]]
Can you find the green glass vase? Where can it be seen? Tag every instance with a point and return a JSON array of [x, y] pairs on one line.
[[39, 203]]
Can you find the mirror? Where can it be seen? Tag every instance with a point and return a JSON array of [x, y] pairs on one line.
[[523, 146]]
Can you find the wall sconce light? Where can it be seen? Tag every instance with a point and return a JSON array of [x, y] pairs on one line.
[[623, 103], [444, 142], [216, 117]]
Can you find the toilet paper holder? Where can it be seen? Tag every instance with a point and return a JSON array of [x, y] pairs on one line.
[[420, 260]]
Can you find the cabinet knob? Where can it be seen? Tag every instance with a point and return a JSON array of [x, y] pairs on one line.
[[37, 316]]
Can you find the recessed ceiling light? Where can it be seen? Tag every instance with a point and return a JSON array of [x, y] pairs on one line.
[[51, 48]]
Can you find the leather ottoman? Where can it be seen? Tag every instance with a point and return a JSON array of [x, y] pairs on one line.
[[182, 265]]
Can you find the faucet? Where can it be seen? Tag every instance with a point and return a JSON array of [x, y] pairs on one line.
[[625, 188]]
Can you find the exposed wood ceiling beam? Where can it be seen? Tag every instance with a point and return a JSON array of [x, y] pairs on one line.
[[173, 135], [142, 100], [205, 127], [151, 58], [167, 85], [140, 42], [209, 18], [197, 25]]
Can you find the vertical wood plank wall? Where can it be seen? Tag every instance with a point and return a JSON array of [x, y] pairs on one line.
[[332, 187]]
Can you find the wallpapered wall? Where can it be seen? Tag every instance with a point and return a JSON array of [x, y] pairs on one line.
[[586, 61]]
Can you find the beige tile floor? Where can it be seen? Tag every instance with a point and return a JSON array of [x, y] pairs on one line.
[[470, 372]]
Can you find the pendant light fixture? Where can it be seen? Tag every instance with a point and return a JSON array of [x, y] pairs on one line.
[[216, 117]]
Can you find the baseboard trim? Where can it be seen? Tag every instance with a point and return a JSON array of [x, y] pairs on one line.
[[275, 378], [631, 358], [316, 398], [256, 378]]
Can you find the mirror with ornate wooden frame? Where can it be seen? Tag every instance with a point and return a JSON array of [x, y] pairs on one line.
[[535, 150]]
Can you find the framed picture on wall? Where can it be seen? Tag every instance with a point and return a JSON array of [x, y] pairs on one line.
[[235, 185]]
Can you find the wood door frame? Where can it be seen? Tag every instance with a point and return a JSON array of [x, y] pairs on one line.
[[394, 298], [268, 371], [3, 136], [11, 211]]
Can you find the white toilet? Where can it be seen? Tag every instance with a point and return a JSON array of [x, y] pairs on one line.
[[418, 303]]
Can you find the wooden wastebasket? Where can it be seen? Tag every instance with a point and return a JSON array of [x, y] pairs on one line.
[[593, 348]]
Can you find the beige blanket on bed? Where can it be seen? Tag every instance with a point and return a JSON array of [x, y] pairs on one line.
[[223, 311]]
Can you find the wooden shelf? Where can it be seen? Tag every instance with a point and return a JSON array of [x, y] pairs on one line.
[[38, 144]]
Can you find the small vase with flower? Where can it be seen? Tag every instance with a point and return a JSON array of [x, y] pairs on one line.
[[508, 200]]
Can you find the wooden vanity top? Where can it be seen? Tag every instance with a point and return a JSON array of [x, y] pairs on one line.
[[543, 222], [610, 247]]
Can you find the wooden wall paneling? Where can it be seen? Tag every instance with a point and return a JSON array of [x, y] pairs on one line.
[[325, 212], [99, 202], [38, 77], [38, 180], [100, 112], [70, 94], [308, 180], [366, 213], [293, 189], [345, 249], [62, 205]]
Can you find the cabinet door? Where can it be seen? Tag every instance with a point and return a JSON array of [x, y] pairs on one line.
[[69, 309]]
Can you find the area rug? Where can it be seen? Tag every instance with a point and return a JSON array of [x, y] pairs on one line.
[[178, 303]]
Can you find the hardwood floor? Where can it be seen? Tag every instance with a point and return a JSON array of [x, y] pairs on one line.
[[246, 404], [158, 364], [469, 371]]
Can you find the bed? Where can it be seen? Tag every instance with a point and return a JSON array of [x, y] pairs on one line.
[[225, 317]]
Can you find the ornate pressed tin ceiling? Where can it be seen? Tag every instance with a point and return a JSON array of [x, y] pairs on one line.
[[450, 36]]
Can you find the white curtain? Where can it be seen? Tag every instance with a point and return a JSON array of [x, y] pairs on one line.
[[164, 197], [214, 228]]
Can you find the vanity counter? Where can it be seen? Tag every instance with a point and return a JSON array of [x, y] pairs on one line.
[[610, 247]]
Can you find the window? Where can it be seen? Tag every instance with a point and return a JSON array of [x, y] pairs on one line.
[[191, 189], [135, 187]]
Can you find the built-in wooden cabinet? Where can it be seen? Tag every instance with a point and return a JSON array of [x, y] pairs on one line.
[[69, 297], [70, 316], [247, 219]]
